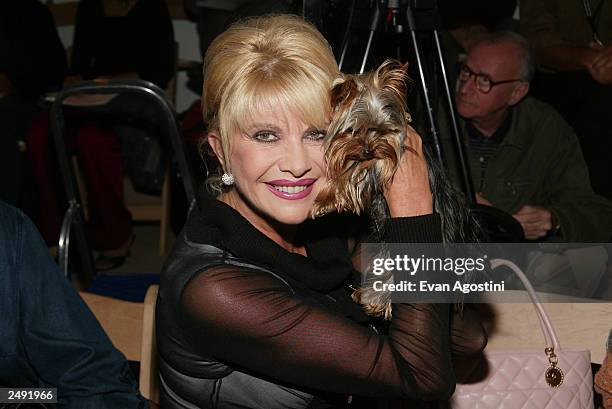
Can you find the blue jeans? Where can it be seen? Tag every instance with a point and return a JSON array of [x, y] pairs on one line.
[[48, 335]]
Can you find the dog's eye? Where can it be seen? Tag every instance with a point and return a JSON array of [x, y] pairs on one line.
[[265, 136]]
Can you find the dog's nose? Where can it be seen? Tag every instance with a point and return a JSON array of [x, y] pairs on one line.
[[368, 153]]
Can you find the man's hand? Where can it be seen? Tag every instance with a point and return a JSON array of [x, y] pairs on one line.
[[600, 66], [536, 221], [480, 199]]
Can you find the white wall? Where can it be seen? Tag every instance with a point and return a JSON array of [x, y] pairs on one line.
[[186, 36]]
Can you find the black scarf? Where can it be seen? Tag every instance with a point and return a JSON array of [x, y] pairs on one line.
[[328, 263]]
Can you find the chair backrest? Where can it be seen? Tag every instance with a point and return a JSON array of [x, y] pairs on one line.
[[121, 320], [149, 381], [131, 328]]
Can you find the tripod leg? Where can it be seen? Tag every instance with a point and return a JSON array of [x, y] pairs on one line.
[[367, 51], [427, 98], [373, 25], [347, 35], [465, 169]]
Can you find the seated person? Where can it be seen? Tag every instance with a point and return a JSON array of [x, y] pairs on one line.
[[252, 310], [572, 42], [570, 36], [49, 338], [524, 158], [112, 39], [603, 377], [32, 62]]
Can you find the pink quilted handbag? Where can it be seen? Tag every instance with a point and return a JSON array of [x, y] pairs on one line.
[[547, 378]]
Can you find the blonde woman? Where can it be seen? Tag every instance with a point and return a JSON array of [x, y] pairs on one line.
[[252, 310]]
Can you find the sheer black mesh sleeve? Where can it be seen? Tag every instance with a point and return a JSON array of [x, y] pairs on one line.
[[251, 319], [468, 336]]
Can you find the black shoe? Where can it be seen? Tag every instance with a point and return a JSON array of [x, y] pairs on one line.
[[105, 263]]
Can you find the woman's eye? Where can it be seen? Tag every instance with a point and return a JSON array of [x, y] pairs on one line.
[[266, 136], [316, 135]]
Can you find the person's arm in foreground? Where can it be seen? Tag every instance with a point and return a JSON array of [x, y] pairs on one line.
[[64, 343]]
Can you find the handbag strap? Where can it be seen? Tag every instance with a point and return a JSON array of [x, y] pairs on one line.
[[550, 335]]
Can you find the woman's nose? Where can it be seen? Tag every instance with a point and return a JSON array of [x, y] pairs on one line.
[[296, 159]]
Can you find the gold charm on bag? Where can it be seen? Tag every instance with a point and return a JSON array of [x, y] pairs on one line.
[[553, 375]]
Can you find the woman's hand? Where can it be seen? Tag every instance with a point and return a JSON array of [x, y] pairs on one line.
[[409, 193]]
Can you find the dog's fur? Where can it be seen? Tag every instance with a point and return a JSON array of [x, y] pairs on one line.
[[363, 147], [364, 141]]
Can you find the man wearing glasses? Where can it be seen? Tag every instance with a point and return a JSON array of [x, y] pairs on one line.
[[524, 158]]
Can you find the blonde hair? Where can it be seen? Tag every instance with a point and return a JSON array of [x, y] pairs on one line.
[[277, 61]]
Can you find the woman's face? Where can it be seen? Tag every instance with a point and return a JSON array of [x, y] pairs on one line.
[[278, 168]]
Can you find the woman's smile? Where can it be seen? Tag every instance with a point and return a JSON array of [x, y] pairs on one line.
[[291, 190]]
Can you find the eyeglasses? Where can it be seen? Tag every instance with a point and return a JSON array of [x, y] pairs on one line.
[[483, 82]]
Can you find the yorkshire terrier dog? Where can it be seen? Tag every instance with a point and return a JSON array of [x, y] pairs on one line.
[[363, 147], [363, 144]]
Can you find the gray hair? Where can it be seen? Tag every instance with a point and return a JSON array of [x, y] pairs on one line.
[[526, 52]]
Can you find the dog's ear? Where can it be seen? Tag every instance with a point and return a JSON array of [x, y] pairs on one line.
[[343, 92], [392, 76]]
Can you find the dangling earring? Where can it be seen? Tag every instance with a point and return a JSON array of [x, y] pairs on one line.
[[227, 179]]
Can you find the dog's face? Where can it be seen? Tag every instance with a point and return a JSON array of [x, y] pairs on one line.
[[364, 141]]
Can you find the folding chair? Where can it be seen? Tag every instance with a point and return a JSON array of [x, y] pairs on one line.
[[100, 95]]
